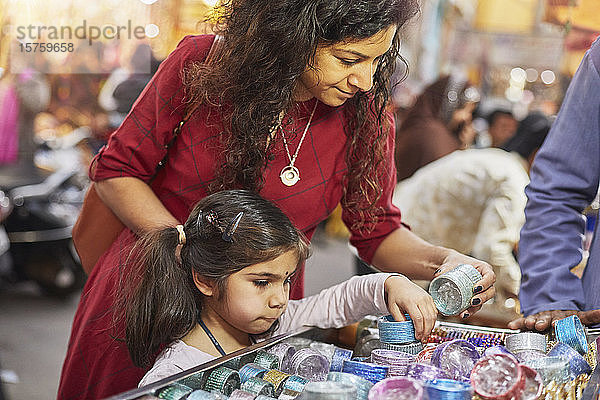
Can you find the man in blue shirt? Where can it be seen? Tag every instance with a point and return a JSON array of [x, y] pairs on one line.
[[564, 180]]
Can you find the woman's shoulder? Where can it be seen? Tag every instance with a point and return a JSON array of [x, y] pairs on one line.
[[193, 47]]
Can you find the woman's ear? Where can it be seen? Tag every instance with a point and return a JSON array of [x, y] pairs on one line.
[[205, 286]]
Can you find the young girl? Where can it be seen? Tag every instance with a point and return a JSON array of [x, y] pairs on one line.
[[217, 283]]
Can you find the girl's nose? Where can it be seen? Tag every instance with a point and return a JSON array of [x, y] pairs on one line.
[[279, 297]]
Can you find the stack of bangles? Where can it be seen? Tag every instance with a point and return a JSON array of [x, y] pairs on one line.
[[448, 389], [310, 364], [398, 335], [497, 377], [175, 391], [329, 390], [526, 345], [397, 361], [251, 370], [551, 368], [371, 372], [571, 331], [257, 386], [285, 352], [277, 379], [424, 372], [266, 360], [362, 385], [224, 380], [577, 363]]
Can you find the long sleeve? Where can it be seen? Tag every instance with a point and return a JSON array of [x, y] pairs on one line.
[[564, 180], [337, 306]]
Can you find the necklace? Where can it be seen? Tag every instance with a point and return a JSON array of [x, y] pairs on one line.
[[290, 175], [212, 338]]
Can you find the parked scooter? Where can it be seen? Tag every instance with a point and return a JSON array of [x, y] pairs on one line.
[[45, 207]]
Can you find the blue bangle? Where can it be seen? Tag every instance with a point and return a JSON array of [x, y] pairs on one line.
[[448, 389], [361, 384], [251, 370], [396, 332], [571, 331], [176, 391], [339, 355], [577, 364], [371, 372]]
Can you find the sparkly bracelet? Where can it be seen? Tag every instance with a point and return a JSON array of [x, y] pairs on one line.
[[409, 387], [397, 361], [285, 352], [204, 395], [266, 360], [371, 372], [224, 380], [551, 368], [251, 370], [411, 348], [361, 384], [577, 364], [195, 381], [507, 379], [526, 341], [257, 386], [424, 372], [339, 355], [452, 291], [448, 389], [295, 383], [288, 394], [397, 332], [329, 390], [176, 391], [533, 385], [277, 379], [238, 394], [456, 358], [571, 331], [310, 364]]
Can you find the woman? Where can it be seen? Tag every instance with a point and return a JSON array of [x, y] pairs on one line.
[[436, 125], [294, 109]]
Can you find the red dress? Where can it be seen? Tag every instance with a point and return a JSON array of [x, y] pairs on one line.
[[97, 364]]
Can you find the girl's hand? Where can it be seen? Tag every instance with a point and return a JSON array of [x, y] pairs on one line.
[[403, 296], [483, 290]]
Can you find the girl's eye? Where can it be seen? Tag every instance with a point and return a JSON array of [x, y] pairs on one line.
[[261, 283]]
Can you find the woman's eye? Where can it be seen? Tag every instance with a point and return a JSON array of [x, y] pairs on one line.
[[348, 62], [261, 283]]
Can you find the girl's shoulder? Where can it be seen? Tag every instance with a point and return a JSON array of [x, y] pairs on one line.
[[176, 357]]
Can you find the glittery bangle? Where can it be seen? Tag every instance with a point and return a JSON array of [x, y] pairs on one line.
[[295, 383], [285, 352], [526, 341], [257, 386], [425, 355], [277, 379], [411, 348], [196, 381], [371, 372], [424, 372], [361, 384], [551, 368], [310, 364], [397, 361], [238, 394], [571, 331], [527, 355], [261, 397], [577, 364], [325, 349], [366, 345], [329, 390], [204, 395], [339, 355], [499, 349], [448, 389], [409, 387], [251, 370], [452, 291], [266, 360], [532, 383], [456, 358], [397, 332], [497, 377], [175, 391], [224, 380], [298, 342]]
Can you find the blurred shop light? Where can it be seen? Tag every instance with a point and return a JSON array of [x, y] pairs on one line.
[[152, 30], [510, 303], [518, 75], [211, 3], [513, 94], [532, 75], [148, 2], [548, 77], [528, 97]]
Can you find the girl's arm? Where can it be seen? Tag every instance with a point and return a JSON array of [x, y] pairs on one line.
[[352, 300]]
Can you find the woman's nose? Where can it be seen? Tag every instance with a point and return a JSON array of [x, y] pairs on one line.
[[362, 76]]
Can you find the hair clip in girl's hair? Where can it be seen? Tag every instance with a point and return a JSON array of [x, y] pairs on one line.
[[231, 227]]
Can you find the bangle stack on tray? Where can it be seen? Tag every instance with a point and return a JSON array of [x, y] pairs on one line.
[[458, 362]]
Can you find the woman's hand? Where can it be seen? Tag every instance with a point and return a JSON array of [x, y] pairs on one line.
[[483, 290], [403, 296], [543, 320]]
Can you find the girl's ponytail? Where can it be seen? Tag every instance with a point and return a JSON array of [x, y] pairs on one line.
[[159, 302]]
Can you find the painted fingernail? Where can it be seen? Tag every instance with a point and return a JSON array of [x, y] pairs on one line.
[[437, 271], [466, 315], [477, 289], [475, 301]]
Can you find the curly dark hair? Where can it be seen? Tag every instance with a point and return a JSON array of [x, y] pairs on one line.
[[267, 46]]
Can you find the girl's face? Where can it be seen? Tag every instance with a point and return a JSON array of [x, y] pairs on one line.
[[344, 68], [256, 296]]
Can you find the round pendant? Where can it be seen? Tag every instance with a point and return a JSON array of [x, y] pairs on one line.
[[289, 175]]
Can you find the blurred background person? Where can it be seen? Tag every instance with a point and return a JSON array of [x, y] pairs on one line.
[[502, 125], [473, 201], [436, 125]]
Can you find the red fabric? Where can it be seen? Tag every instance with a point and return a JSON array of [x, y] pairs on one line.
[[97, 365]]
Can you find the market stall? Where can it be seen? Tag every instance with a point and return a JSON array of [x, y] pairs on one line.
[[458, 362]]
